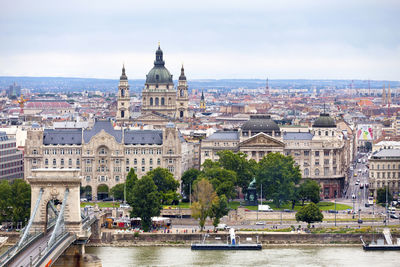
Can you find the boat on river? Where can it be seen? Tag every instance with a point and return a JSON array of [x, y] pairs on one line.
[[232, 245], [380, 243]]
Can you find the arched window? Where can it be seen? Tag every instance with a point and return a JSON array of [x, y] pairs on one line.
[[122, 113], [151, 101], [122, 92], [54, 162], [143, 161], [326, 133], [181, 114], [62, 161], [316, 172], [306, 172], [162, 101], [156, 101], [70, 162], [135, 161], [151, 161], [46, 162], [181, 92], [158, 161]]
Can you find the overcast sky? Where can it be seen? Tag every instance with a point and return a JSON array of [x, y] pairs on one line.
[[349, 39]]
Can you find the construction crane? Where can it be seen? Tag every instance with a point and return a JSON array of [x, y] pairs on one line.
[[21, 101]]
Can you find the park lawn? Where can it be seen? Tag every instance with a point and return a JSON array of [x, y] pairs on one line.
[[182, 205], [101, 204]]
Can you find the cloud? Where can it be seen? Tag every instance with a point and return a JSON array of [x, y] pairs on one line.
[[216, 39]]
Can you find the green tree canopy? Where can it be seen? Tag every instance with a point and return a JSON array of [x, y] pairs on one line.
[[309, 190], [309, 214], [219, 208], [237, 162], [21, 200], [208, 164], [131, 179], [223, 181], [118, 191], [279, 176], [5, 202], [188, 178], [203, 195], [166, 185], [145, 201], [381, 195]]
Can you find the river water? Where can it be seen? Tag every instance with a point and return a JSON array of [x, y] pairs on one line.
[[276, 256]]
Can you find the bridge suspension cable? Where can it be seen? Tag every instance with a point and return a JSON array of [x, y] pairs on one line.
[[59, 222], [31, 219]]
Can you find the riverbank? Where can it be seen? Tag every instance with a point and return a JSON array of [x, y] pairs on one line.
[[265, 238]]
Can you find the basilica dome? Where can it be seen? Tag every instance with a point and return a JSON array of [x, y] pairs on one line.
[[159, 73], [324, 121]]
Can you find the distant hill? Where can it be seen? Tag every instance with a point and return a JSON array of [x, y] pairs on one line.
[[64, 84]]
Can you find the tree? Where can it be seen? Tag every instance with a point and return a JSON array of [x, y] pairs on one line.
[[309, 214], [279, 176], [188, 178], [118, 191], [203, 195], [237, 162], [5, 201], [208, 164], [131, 179], [223, 181], [219, 208], [381, 195], [145, 201], [166, 185], [20, 201], [309, 190]]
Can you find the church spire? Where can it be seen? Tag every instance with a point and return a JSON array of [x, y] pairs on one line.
[[383, 95], [123, 75], [182, 77]]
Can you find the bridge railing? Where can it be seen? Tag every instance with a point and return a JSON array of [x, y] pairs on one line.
[[14, 250]]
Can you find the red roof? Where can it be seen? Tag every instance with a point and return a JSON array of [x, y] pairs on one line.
[[47, 105]]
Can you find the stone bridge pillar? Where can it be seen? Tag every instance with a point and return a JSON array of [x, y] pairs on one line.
[[54, 182]]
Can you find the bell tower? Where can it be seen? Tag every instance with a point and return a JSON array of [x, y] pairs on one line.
[[182, 99], [123, 99]]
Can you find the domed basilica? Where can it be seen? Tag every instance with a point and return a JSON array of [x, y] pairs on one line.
[[161, 101]]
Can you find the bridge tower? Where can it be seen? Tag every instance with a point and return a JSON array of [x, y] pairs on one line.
[[51, 184]]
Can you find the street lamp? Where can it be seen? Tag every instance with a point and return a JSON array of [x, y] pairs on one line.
[[335, 212]]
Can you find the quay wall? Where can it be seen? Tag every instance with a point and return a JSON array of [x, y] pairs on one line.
[[123, 239]]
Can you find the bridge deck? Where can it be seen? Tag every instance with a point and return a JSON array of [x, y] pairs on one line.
[[23, 258]]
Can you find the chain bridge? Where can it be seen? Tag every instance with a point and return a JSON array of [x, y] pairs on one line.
[[56, 225]]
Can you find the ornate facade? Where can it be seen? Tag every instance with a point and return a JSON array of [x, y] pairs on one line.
[[105, 155], [320, 153], [384, 171], [161, 102]]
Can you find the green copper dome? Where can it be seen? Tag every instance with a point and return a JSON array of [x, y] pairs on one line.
[[324, 121], [159, 73]]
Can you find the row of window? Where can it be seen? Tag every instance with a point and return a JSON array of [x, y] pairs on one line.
[[11, 164], [385, 175], [7, 152], [60, 151], [10, 158], [143, 151], [7, 145], [10, 171], [382, 166], [317, 172], [62, 161]]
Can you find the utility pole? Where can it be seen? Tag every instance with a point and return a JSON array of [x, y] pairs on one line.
[[335, 212]]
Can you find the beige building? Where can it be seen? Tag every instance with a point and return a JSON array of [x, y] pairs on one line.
[[321, 152], [104, 155], [161, 101], [384, 170]]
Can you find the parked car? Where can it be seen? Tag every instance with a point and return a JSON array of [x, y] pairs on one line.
[[394, 216], [108, 199], [260, 223], [84, 199], [333, 211]]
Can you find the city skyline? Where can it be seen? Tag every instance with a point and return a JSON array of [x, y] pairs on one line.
[[227, 39]]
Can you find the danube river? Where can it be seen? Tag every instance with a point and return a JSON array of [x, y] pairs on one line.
[[276, 256]]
